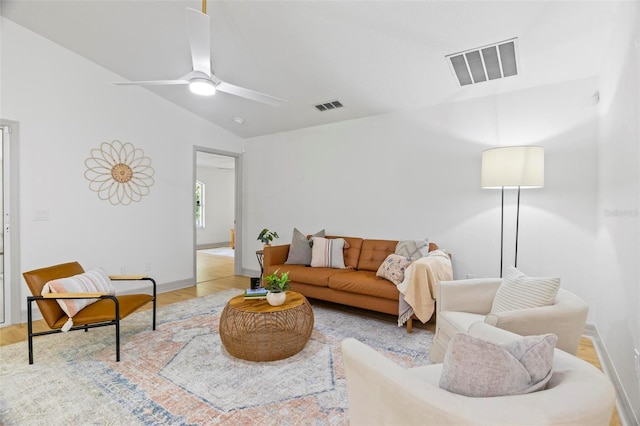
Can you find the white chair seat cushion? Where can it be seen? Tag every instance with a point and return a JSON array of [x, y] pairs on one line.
[[448, 324], [451, 322], [428, 373]]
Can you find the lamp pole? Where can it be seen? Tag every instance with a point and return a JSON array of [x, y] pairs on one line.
[[501, 231], [515, 263]]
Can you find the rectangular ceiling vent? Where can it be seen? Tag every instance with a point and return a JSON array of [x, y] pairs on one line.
[[485, 63], [326, 106]]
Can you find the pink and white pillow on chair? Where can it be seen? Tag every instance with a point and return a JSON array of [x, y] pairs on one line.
[[94, 281]]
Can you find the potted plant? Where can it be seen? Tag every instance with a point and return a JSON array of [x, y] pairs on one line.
[[276, 286], [267, 236]]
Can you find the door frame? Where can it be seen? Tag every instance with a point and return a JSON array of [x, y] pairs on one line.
[[237, 214], [11, 188]]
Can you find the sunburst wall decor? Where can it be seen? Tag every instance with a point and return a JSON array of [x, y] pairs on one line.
[[119, 172]]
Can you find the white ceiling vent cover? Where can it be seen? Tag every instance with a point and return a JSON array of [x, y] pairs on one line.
[[485, 63], [326, 106]]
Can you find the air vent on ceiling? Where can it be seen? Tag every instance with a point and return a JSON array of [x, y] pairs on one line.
[[329, 105], [485, 63]]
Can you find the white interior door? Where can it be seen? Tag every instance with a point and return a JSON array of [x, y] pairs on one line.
[[10, 279], [4, 306]]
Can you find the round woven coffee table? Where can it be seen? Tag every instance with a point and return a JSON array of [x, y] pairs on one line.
[[256, 331]]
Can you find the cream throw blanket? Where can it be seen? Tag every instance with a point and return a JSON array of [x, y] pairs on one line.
[[418, 287]]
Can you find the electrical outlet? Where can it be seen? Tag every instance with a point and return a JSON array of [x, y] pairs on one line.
[[470, 276], [123, 270], [41, 214], [147, 267]]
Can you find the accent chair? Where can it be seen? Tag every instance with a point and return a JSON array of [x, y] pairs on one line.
[[107, 309]]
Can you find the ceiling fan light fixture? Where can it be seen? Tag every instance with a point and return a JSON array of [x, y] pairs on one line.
[[202, 86]]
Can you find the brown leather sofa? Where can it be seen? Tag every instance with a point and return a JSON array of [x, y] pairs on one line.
[[357, 285]]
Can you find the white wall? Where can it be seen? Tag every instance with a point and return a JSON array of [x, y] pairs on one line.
[[617, 311], [219, 205], [66, 107], [417, 174]]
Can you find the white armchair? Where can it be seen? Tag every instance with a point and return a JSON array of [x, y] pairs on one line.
[[461, 303], [383, 393]]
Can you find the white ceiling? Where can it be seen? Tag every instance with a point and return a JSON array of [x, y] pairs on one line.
[[376, 57]]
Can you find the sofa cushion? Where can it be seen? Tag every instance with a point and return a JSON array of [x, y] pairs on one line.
[[374, 252], [308, 275], [518, 291], [393, 268], [480, 368], [364, 282], [414, 249], [327, 253], [300, 249]]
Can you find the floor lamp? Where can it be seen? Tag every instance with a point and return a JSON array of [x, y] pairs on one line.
[[512, 167]]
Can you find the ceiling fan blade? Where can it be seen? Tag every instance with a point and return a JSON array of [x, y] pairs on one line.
[[199, 40], [151, 83], [249, 94]]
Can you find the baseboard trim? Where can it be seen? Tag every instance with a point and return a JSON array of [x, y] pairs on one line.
[[623, 405], [213, 245], [160, 288], [250, 272]]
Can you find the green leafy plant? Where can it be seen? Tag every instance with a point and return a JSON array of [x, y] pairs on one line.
[[275, 283], [267, 236]]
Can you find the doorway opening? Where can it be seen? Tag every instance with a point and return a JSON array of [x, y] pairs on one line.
[[216, 219]]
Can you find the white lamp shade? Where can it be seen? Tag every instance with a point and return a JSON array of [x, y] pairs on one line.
[[512, 167]]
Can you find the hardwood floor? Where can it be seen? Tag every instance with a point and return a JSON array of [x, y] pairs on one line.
[[215, 274]]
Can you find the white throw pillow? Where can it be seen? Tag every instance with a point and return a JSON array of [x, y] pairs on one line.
[[519, 291], [327, 253]]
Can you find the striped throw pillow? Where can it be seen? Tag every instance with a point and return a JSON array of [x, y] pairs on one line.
[[327, 253], [519, 291], [94, 281]]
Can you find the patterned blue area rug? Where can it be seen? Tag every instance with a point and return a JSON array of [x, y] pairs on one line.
[[181, 374]]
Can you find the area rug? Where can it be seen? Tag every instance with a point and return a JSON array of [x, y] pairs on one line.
[[220, 251], [181, 374]]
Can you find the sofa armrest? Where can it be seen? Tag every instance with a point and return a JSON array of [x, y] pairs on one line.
[[275, 255], [472, 295]]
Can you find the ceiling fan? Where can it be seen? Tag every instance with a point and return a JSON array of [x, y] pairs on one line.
[[202, 80]]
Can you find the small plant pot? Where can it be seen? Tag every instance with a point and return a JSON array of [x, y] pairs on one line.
[[276, 299]]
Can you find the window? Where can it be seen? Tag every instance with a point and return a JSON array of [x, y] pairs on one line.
[[199, 204]]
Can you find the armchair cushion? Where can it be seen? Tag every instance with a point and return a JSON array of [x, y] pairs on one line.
[[94, 281], [519, 291], [479, 368]]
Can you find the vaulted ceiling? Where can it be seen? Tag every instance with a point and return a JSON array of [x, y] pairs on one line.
[[375, 57]]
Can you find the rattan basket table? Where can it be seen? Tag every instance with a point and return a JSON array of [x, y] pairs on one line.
[[256, 331]]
